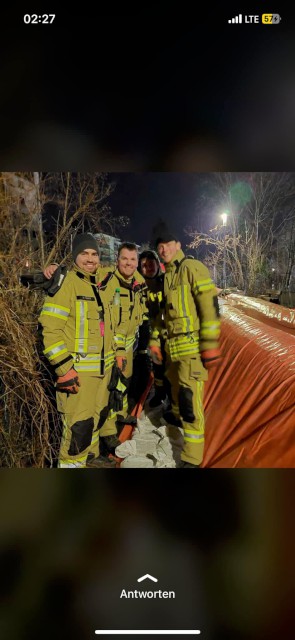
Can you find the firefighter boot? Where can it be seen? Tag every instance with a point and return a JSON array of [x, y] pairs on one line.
[[100, 462], [186, 465], [108, 444], [172, 419]]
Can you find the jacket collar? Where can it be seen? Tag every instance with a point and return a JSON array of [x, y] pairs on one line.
[[176, 260], [91, 277], [125, 281]]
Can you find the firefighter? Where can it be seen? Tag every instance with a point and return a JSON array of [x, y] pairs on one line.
[[78, 334], [132, 315], [126, 287], [193, 326], [150, 268]]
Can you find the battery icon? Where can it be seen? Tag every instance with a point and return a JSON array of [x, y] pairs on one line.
[[271, 18]]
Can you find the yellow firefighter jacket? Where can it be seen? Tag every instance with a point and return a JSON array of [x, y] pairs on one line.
[[191, 308], [78, 325], [131, 312]]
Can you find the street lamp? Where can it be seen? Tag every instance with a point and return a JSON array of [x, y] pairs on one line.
[[224, 217], [224, 222]]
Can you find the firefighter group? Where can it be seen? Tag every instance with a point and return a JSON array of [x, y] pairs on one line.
[[102, 326]]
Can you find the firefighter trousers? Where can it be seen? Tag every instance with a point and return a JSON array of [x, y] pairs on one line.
[[186, 378], [82, 415], [159, 373], [109, 427]]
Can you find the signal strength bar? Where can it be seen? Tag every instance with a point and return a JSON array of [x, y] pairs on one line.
[[237, 20]]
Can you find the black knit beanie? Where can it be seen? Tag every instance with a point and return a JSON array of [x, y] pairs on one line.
[[84, 241], [162, 233]]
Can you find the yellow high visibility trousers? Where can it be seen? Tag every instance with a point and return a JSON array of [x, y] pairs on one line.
[[187, 390], [109, 428], [82, 414]]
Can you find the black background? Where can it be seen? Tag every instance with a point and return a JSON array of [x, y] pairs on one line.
[[164, 88]]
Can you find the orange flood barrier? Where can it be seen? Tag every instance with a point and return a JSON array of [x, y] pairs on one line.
[[272, 314], [250, 399]]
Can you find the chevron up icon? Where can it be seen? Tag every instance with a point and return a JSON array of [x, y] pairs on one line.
[[147, 575]]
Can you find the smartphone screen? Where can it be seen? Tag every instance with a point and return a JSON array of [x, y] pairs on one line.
[[174, 109]]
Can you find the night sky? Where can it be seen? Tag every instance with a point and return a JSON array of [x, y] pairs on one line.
[[146, 197]]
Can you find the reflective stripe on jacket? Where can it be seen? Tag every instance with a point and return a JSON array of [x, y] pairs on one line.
[[77, 327], [131, 312], [191, 308]]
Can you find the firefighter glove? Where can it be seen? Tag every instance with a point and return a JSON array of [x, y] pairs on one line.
[[121, 362], [211, 358], [69, 382], [156, 354], [117, 388]]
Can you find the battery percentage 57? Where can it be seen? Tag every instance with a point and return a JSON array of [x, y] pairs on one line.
[[271, 18]]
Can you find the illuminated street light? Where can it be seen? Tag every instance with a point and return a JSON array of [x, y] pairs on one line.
[[224, 217]]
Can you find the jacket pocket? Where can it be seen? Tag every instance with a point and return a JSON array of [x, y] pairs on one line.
[[94, 336], [196, 369], [93, 319]]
